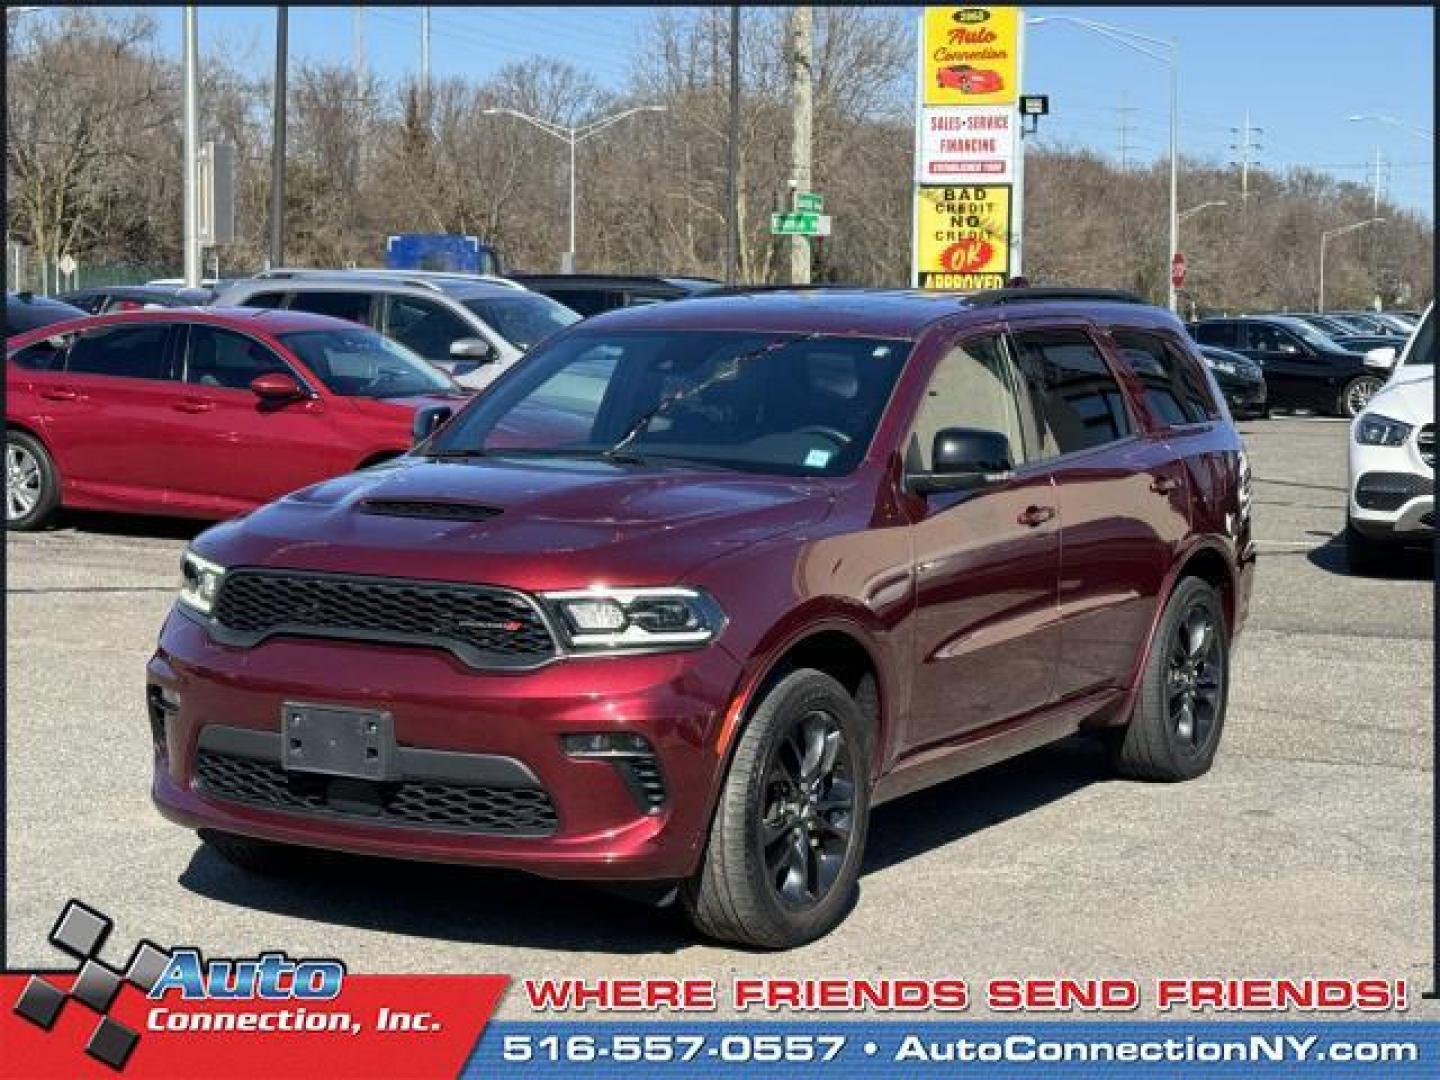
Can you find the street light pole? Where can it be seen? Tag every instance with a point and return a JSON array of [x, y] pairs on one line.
[[1185, 215], [573, 136], [192, 149], [277, 141], [1413, 129], [1325, 238], [1149, 47]]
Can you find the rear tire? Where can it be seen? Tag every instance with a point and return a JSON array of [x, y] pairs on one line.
[[1362, 555], [253, 856], [1180, 709], [32, 486], [783, 859]]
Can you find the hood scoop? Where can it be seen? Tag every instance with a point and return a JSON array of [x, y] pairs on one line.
[[428, 508]]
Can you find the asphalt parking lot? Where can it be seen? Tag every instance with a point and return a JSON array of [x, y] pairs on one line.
[[1304, 852]]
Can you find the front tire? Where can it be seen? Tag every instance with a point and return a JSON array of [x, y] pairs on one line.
[[32, 486], [1356, 395], [1180, 710], [783, 859]]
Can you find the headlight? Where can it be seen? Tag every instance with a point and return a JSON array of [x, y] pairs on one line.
[[199, 582], [1227, 367], [1377, 430], [636, 618]]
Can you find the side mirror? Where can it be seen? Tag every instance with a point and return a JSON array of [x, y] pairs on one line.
[[276, 388], [1289, 348], [428, 421], [962, 459], [476, 350], [1381, 359]]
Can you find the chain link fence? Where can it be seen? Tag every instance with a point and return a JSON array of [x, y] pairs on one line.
[[26, 270]]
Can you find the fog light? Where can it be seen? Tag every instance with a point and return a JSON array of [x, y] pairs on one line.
[[606, 744], [633, 758]]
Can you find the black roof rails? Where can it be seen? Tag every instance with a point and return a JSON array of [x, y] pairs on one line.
[[996, 297], [814, 286]]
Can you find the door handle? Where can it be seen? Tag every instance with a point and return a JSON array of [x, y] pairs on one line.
[[59, 393], [1036, 515], [1164, 485], [194, 406]]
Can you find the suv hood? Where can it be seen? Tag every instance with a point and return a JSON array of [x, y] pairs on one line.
[[1409, 396], [534, 524]]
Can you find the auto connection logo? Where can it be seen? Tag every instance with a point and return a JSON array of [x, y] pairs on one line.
[[179, 974]]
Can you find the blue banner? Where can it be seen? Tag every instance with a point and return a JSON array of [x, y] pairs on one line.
[[1005, 1051]]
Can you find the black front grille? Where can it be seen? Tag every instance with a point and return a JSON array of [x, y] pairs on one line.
[[1425, 441], [419, 804], [415, 508], [486, 627], [1390, 491]]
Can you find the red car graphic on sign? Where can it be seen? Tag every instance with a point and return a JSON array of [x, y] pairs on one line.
[[970, 80]]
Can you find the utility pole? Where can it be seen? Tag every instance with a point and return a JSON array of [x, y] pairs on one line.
[[1244, 148], [359, 31], [277, 142], [1376, 182], [732, 157], [425, 64], [1125, 112], [802, 27], [192, 149]]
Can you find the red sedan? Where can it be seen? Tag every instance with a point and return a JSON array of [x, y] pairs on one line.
[[970, 80], [200, 413]]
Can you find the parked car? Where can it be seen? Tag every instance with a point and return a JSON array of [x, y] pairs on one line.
[[1303, 368], [1240, 379], [471, 326], [1363, 343], [1364, 322], [1398, 321], [970, 80], [1392, 459], [104, 299], [590, 294], [1326, 325], [25, 311], [200, 412], [795, 554]]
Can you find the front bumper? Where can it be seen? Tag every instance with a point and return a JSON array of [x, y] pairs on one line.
[[453, 721], [1245, 399], [1392, 492]]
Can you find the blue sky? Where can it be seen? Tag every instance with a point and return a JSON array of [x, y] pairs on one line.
[[1299, 71]]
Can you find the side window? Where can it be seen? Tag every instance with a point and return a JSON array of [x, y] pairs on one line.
[[351, 306], [1078, 402], [587, 302], [47, 354], [129, 352], [266, 300], [425, 327], [226, 360], [973, 386], [1223, 334], [1272, 339], [1174, 388]]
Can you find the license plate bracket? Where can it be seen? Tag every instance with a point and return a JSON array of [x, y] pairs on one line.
[[338, 741]]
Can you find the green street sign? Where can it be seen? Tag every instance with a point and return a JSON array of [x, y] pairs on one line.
[[809, 202], [801, 223]]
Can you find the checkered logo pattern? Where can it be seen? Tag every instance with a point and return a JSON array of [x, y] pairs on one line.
[[80, 932]]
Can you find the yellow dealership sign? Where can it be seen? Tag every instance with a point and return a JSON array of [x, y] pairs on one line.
[[971, 56], [962, 237]]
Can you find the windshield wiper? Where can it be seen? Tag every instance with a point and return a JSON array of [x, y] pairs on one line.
[[726, 369]]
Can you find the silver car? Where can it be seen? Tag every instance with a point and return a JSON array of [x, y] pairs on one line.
[[472, 326]]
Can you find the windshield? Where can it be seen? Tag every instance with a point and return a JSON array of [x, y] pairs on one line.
[[525, 319], [1422, 346], [785, 404], [362, 363]]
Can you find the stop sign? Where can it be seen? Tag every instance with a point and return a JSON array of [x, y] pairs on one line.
[[1177, 270]]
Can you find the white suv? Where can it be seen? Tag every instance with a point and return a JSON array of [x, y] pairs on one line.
[[1392, 455], [474, 327]]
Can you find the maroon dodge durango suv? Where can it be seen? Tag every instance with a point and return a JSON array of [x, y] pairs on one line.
[[683, 595]]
